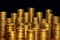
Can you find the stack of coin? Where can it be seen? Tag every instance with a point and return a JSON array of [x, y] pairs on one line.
[[26, 17], [43, 34], [49, 15], [31, 14], [35, 20], [48, 27], [56, 31], [35, 23], [26, 28], [31, 34], [56, 19], [13, 18], [20, 16], [9, 26], [9, 30], [44, 21], [2, 24], [40, 16], [11, 36], [20, 34], [37, 34]]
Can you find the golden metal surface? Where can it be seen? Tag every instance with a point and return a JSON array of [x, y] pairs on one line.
[[14, 17], [31, 13], [25, 26], [40, 16], [11, 36], [26, 17], [3, 15], [31, 34], [20, 12], [43, 34], [9, 20], [56, 31], [20, 34], [44, 21], [56, 19]]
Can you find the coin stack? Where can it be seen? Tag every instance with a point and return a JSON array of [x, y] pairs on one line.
[[56, 31], [49, 17], [26, 17], [31, 34], [13, 18], [31, 14], [43, 34], [20, 34], [25, 26], [10, 33], [40, 16], [20, 16], [2, 24]]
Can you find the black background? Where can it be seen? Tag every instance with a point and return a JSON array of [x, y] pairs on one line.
[[40, 5]]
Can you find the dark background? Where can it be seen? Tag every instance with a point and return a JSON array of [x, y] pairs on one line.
[[39, 5]]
